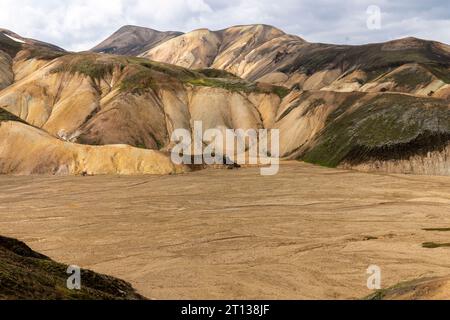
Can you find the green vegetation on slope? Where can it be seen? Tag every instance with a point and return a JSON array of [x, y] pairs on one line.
[[86, 64], [27, 275], [216, 73], [374, 59], [389, 126], [398, 289], [203, 77], [411, 78], [440, 71], [143, 75], [43, 53], [239, 85], [177, 72], [138, 82]]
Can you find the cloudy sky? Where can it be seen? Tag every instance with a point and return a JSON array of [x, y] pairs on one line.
[[80, 24]]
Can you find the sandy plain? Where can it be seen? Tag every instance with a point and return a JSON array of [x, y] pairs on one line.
[[306, 233]]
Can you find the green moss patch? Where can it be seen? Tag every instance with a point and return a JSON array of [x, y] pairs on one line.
[[411, 78], [387, 127], [398, 289], [440, 71], [426, 142], [143, 75], [28, 275], [215, 73], [43, 53], [203, 78], [239, 86], [374, 59], [87, 66], [138, 82]]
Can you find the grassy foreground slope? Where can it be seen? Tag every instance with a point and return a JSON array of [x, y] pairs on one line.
[[433, 288], [28, 275]]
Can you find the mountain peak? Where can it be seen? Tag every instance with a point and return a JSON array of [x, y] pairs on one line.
[[133, 40], [406, 43], [12, 43], [134, 28], [260, 26]]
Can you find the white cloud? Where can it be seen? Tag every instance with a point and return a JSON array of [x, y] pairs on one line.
[[80, 24]]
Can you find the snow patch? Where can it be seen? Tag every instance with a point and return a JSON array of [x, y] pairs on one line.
[[13, 39]]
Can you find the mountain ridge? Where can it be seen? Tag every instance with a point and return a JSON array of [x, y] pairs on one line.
[[328, 101], [14, 37], [267, 54]]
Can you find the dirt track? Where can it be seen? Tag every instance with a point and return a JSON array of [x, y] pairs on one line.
[[308, 232]]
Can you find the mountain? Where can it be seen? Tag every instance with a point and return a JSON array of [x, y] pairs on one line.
[[377, 107], [14, 46], [101, 101], [225, 49], [267, 54], [11, 43], [28, 275], [133, 40], [262, 53], [42, 153]]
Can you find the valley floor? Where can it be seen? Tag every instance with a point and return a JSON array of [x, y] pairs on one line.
[[307, 232]]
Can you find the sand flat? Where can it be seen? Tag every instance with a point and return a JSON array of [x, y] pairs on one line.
[[308, 232]]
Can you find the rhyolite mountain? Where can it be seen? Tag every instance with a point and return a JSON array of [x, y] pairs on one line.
[[12, 43], [376, 107], [267, 54], [134, 40]]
